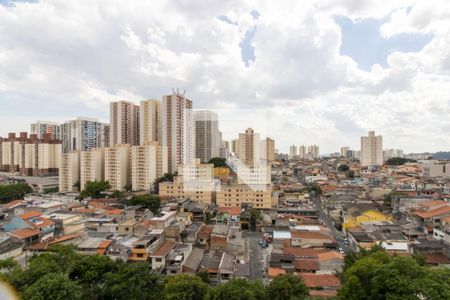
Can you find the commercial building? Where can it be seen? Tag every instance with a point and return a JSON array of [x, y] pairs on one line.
[[148, 162], [207, 135], [82, 134], [371, 149], [249, 149], [124, 123], [69, 171], [92, 166], [150, 121], [117, 166], [177, 126]]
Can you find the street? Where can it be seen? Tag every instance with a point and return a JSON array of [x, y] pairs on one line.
[[255, 254]]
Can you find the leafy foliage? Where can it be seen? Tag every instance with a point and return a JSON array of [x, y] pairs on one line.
[[9, 192], [287, 287], [238, 289], [94, 189], [185, 286], [151, 202], [398, 161], [218, 162]]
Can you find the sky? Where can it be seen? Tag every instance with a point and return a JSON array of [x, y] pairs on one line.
[[303, 72]]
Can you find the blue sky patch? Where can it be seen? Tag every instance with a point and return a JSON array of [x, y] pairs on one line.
[[362, 42]]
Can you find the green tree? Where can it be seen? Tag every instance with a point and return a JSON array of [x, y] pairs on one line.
[[286, 287], [186, 287], [151, 202], [239, 289], [255, 217], [204, 276], [94, 189], [218, 162], [398, 161], [53, 286], [9, 192], [343, 168], [165, 178], [132, 281]]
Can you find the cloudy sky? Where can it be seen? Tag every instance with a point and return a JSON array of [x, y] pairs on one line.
[[310, 72]]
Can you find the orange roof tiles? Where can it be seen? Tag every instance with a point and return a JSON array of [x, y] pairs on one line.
[[205, 231], [114, 212], [434, 212], [12, 204], [306, 264], [24, 233], [233, 211], [330, 255], [273, 272], [303, 252], [29, 215], [44, 223], [164, 249], [309, 235], [320, 280]]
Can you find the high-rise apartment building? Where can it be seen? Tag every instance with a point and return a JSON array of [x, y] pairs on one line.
[[302, 151], [235, 146], [371, 149], [29, 155], [313, 152], [117, 166], [45, 127], [150, 121], [92, 166], [224, 149], [124, 123], [69, 171], [268, 149], [344, 151], [148, 162], [391, 153], [207, 135], [177, 126], [292, 151], [106, 130], [249, 148], [82, 134]]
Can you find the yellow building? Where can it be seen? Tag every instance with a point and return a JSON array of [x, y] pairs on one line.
[[355, 218], [222, 172], [236, 195]]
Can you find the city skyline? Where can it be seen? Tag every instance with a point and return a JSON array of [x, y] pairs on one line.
[[333, 91]]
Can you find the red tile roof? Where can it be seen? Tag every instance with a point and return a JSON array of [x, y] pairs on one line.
[[233, 211], [434, 212], [306, 264], [437, 259], [30, 214], [273, 272], [44, 223], [303, 252], [164, 249], [205, 231], [320, 280], [24, 233], [309, 235], [12, 204]]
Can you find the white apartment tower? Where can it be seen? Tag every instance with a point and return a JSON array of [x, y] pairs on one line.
[[82, 134], [117, 166], [371, 149], [150, 121], [207, 135], [148, 162], [92, 166], [45, 127], [177, 126], [124, 123], [344, 151]]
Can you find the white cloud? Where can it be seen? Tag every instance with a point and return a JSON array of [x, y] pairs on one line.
[[86, 53]]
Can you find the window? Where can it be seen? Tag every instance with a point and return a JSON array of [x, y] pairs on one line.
[[158, 259], [140, 255]]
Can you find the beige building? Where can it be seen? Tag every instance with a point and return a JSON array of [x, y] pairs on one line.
[[293, 151], [371, 149], [92, 166], [236, 195], [177, 128], [268, 149], [313, 152], [178, 190], [254, 175], [150, 121], [40, 128], [124, 126], [69, 171], [235, 146], [148, 162], [344, 151], [302, 151], [249, 148], [117, 166]]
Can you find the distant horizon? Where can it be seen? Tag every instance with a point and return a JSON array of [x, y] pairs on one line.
[[326, 73]]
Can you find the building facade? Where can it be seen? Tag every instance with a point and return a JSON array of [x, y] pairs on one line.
[[207, 135], [45, 127], [148, 162], [249, 148], [371, 149], [117, 166], [82, 134], [150, 121], [69, 171], [124, 123], [92, 166]]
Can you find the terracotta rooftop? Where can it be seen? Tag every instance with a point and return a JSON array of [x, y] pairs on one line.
[[205, 231], [306, 264], [30, 214], [320, 280], [273, 272], [309, 235], [330, 255], [233, 211], [12, 204], [43, 223], [24, 233], [437, 259], [433, 203], [164, 249], [303, 252], [434, 212]]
